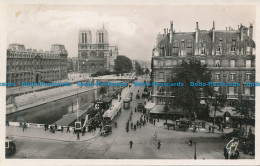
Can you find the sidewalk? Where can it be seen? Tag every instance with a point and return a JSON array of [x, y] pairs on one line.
[[39, 133]]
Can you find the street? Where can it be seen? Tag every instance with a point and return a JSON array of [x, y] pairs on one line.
[[116, 146]]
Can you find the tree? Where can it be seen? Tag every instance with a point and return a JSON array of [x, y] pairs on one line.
[[218, 102], [138, 68], [188, 97], [123, 64], [244, 107], [166, 110], [147, 71]]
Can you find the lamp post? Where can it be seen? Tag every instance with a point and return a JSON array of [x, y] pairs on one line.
[[195, 153]]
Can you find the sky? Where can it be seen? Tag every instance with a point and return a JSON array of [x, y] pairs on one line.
[[132, 28]]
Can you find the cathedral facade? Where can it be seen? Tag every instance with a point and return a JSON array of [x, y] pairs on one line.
[[30, 65], [98, 56]]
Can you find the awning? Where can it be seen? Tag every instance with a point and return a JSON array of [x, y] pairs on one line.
[[158, 109], [149, 106], [223, 110]]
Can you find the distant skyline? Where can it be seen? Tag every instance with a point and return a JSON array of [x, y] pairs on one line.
[[132, 28]]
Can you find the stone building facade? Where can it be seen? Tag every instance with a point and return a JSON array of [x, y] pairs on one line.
[[94, 57], [30, 65], [229, 55]]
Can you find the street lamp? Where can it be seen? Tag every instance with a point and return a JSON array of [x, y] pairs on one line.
[[195, 153]]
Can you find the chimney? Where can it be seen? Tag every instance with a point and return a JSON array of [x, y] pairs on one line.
[[241, 33], [167, 31], [197, 32], [213, 32], [171, 31], [164, 31], [251, 31]]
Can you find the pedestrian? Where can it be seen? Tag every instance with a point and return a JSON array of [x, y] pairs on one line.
[[24, 126], [159, 144], [68, 129], [45, 127], [7, 123], [62, 129], [243, 131], [209, 129], [135, 109], [236, 154], [50, 131], [190, 142], [83, 130], [232, 156], [154, 122], [131, 125], [100, 126], [115, 125], [56, 127], [225, 153], [134, 127], [250, 130], [131, 144], [78, 135]]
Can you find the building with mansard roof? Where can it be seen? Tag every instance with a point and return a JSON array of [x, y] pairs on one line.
[[229, 55], [94, 57], [31, 65]]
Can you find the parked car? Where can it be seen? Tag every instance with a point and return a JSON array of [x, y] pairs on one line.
[[10, 147], [107, 130]]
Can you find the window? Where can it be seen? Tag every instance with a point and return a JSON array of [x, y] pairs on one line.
[[203, 52], [232, 76], [233, 49], [248, 63], [247, 90], [161, 75], [203, 62], [248, 76], [217, 76], [161, 63], [218, 48], [217, 63], [232, 63], [174, 63], [231, 90]]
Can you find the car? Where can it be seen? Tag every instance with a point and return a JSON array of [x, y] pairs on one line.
[[107, 130], [10, 147], [235, 133]]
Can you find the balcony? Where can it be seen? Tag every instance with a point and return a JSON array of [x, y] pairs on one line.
[[248, 97], [232, 96], [164, 94]]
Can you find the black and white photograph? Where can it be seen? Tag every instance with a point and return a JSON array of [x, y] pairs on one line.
[[130, 81]]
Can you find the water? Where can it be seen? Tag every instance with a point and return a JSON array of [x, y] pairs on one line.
[[52, 111]]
